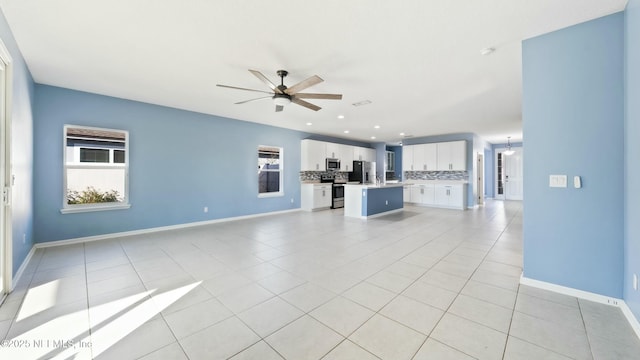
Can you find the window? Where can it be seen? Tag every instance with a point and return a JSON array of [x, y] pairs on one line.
[[269, 171], [96, 169]]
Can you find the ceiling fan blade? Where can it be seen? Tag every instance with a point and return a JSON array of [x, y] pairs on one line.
[[264, 79], [315, 79], [250, 100], [239, 88], [305, 104], [319, 96], [279, 108]]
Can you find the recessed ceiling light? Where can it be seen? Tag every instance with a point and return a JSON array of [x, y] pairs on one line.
[[346, 131], [401, 134], [377, 127], [309, 124], [373, 138], [340, 116]]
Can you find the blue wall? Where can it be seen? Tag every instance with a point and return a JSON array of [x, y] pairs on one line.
[[180, 162], [397, 150], [632, 151], [573, 124], [21, 150], [380, 200]]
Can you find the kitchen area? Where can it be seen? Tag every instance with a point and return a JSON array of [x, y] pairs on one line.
[[338, 176]]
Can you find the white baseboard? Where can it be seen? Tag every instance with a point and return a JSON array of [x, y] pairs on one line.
[[620, 303], [21, 269], [153, 230]]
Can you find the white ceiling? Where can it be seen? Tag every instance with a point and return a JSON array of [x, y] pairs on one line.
[[417, 61]]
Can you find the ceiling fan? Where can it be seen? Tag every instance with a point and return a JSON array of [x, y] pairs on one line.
[[283, 95]]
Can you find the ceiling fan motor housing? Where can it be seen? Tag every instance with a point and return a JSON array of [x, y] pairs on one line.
[[282, 73]]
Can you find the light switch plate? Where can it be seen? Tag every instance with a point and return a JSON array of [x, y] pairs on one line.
[[559, 181]]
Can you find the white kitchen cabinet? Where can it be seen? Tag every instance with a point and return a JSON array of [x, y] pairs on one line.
[[425, 157], [346, 157], [452, 155], [422, 194], [333, 150], [407, 158], [369, 155], [364, 154], [406, 193], [316, 196], [313, 155], [452, 196]]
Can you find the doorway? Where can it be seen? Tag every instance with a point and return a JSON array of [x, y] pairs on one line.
[[509, 180], [5, 172]]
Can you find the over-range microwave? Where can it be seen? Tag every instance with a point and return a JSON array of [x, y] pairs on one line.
[[333, 164]]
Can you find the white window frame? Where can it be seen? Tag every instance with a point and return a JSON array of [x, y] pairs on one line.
[[78, 208], [280, 170]]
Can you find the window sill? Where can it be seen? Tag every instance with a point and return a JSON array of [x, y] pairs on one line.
[[270, 195], [92, 208]]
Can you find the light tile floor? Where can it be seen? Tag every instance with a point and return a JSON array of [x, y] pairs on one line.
[[421, 284]]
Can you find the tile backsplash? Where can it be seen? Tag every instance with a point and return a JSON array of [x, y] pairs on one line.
[[315, 175], [408, 175], [436, 175]]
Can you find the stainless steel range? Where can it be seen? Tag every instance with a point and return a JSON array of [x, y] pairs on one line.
[[337, 190], [337, 195]]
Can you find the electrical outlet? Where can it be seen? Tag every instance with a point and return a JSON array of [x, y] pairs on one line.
[[386, 202], [635, 282], [206, 209], [292, 200]]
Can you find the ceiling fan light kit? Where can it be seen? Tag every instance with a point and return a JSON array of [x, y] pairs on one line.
[[283, 95]]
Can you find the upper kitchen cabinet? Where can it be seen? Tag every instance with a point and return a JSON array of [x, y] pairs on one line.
[[369, 155], [313, 155], [425, 157], [364, 154], [346, 157], [333, 150], [452, 155], [407, 158]]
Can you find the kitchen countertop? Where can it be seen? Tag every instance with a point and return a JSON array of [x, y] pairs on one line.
[[374, 186]]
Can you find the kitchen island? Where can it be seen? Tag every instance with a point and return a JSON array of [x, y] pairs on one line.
[[368, 200]]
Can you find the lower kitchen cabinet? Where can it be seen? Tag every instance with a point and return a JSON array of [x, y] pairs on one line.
[[316, 196], [422, 194], [438, 195], [406, 193], [450, 196]]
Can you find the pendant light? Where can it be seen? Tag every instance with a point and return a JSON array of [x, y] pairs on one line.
[[508, 151]]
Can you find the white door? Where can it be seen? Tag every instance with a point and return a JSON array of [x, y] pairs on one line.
[[5, 174], [513, 175]]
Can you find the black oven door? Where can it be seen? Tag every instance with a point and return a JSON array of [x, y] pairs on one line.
[[337, 196]]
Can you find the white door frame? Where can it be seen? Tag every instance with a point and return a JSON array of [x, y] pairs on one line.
[[502, 196], [480, 179], [6, 179], [495, 174]]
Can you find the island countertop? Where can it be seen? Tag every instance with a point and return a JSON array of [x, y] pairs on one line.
[[374, 186]]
